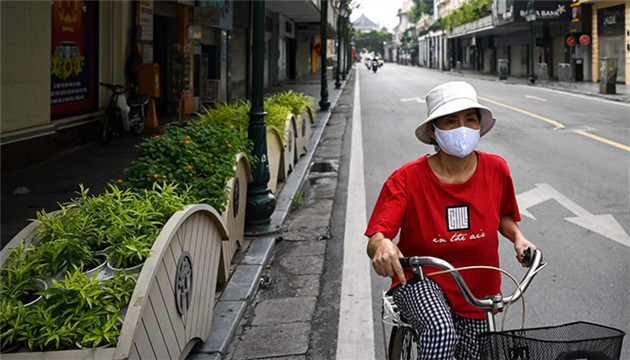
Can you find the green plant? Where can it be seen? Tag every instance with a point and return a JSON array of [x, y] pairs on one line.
[[17, 275], [199, 155], [78, 309], [297, 102], [46, 331], [298, 197], [104, 330], [12, 315]]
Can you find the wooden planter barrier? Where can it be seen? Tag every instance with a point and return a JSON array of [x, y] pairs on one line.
[[290, 145], [171, 307], [304, 124], [234, 214], [275, 147]]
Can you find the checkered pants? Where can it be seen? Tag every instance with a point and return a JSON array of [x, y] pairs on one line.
[[443, 334]]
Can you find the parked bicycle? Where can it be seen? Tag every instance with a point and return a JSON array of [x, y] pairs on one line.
[[578, 340], [123, 114]]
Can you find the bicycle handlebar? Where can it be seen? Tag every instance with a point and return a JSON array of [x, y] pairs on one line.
[[533, 259]]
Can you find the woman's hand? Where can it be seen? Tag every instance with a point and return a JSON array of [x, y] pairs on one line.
[[520, 245], [385, 257], [509, 229]]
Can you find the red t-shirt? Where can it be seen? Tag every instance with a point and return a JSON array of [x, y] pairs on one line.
[[455, 222]]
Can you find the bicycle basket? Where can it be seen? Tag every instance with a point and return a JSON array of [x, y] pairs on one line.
[[579, 340]]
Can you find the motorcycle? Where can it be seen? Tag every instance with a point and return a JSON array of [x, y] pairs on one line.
[[375, 65], [123, 114]]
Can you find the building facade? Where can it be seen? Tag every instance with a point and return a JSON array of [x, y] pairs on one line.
[[184, 54]]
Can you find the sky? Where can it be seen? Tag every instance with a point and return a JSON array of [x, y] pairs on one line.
[[382, 12]]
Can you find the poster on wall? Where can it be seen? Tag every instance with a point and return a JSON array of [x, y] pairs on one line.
[[73, 59]]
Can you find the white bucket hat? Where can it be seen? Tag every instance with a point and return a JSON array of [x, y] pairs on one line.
[[450, 98]]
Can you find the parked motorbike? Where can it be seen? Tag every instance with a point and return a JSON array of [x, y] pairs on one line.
[[123, 114]]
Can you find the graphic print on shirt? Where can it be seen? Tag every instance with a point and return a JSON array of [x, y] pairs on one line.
[[457, 218]]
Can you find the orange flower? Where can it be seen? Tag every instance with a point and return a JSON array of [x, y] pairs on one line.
[[201, 123], [199, 155], [186, 142], [229, 145], [156, 176], [164, 176], [189, 167], [187, 137], [157, 136], [120, 181], [227, 142], [163, 137]]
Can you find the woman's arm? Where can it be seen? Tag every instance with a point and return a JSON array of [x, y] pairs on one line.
[[509, 228], [385, 254]]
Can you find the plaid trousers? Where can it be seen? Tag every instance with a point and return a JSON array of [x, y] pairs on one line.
[[443, 334]]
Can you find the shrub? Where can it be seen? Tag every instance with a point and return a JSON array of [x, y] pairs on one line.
[[199, 155]]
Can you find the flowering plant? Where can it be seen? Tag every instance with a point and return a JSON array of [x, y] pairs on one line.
[[198, 155]]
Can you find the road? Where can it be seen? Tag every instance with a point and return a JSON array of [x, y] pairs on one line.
[[569, 159]]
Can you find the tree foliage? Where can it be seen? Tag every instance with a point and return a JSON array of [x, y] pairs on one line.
[[371, 41], [469, 12]]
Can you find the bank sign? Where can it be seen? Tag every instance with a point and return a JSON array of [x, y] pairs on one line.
[[545, 10]]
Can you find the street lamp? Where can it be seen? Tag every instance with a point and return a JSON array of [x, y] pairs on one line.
[[343, 12], [530, 17], [324, 103]]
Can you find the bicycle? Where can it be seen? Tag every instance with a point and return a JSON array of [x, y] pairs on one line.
[[562, 342]]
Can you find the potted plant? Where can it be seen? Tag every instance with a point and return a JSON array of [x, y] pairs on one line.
[[18, 276], [12, 314]]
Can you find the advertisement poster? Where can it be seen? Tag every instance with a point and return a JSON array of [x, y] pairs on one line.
[[73, 60]]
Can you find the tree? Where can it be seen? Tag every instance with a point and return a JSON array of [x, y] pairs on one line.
[[372, 41]]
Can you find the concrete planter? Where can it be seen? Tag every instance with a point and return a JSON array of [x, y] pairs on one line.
[[171, 307]]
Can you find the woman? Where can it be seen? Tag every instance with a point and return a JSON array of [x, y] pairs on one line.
[[448, 205]]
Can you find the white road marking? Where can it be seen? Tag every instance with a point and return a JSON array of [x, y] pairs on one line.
[[356, 332], [535, 98], [416, 99], [605, 225]]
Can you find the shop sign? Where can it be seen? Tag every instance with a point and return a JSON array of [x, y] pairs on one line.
[[610, 21], [145, 20], [73, 56], [571, 41], [545, 10], [216, 14], [585, 39]]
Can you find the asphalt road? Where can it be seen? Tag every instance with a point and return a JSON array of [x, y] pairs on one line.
[[568, 155]]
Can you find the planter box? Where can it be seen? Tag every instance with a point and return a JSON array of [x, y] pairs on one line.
[[275, 147], [171, 307], [304, 130], [234, 215], [290, 146]]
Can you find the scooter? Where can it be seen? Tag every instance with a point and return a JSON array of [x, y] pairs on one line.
[[123, 114], [375, 65]]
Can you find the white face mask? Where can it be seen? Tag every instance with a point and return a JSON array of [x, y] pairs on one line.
[[458, 142]]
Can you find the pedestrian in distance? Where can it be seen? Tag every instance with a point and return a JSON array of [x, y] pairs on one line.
[[450, 205]]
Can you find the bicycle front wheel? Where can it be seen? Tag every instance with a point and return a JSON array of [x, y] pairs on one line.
[[403, 344]]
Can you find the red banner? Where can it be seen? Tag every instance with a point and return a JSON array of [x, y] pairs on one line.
[[73, 59]]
